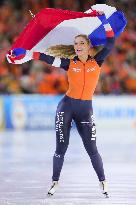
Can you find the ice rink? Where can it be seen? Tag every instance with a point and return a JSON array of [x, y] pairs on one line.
[[26, 168]]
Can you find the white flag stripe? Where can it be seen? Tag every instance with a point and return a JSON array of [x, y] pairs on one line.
[[61, 35], [108, 10]]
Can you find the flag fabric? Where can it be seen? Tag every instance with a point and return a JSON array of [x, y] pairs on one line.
[[52, 27]]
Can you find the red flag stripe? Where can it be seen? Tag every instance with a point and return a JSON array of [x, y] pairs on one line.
[[49, 19]]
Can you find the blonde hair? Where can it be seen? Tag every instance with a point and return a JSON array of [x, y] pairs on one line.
[[65, 51]]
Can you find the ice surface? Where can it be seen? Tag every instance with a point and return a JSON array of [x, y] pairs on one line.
[[26, 168]]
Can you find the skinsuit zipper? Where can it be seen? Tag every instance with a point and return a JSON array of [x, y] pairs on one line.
[[83, 84]]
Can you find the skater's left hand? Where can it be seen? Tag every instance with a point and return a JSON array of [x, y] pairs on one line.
[[102, 17], [100, 12]]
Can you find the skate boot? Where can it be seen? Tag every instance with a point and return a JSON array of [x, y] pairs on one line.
[[104, 188], [53, 188]]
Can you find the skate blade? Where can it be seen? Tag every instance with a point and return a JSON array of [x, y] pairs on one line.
[[49, 195], [106, 195]]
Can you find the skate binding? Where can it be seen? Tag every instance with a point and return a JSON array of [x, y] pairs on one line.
[[53, 188], [104, 188]]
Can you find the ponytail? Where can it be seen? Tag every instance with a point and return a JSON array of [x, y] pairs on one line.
[[62, 51], [65, 51]]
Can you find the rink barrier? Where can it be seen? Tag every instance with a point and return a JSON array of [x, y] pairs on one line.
[[38, 111]]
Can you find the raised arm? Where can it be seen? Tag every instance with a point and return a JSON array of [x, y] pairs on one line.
[[102, 54], [17, 54], [54, 61]]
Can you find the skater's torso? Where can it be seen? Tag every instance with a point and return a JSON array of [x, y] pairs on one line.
[[82, 78]]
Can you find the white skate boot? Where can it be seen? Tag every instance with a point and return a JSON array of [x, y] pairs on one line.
[[104, 188], [53, 188]]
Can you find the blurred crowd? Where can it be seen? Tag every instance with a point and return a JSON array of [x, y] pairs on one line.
[[118, 72]]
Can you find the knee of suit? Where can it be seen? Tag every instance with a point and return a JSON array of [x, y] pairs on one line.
[[92, 152], [59, 156], [60, 153], [61, 148]]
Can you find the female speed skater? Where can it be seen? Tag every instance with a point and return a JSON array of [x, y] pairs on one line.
[[83, 73]]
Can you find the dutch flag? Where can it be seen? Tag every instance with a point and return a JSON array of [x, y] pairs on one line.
[[52, 27]]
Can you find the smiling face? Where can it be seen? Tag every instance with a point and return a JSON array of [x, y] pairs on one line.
[[81, 45]]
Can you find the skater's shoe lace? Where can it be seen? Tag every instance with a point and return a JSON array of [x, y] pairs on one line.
[[53, 188], [104, 188]]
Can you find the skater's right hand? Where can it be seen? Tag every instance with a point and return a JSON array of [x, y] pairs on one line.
[[16, 54]]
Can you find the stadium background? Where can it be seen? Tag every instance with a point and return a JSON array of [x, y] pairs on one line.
[[29, 93]]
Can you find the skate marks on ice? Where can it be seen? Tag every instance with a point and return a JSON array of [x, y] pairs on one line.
[[80, 189], [26, 169]]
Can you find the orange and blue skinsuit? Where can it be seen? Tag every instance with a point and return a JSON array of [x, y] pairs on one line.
[[77, 104]]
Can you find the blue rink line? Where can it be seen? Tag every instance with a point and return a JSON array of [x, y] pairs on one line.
[[37, 112]]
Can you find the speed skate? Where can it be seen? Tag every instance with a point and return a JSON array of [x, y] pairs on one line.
[[53, 188]]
